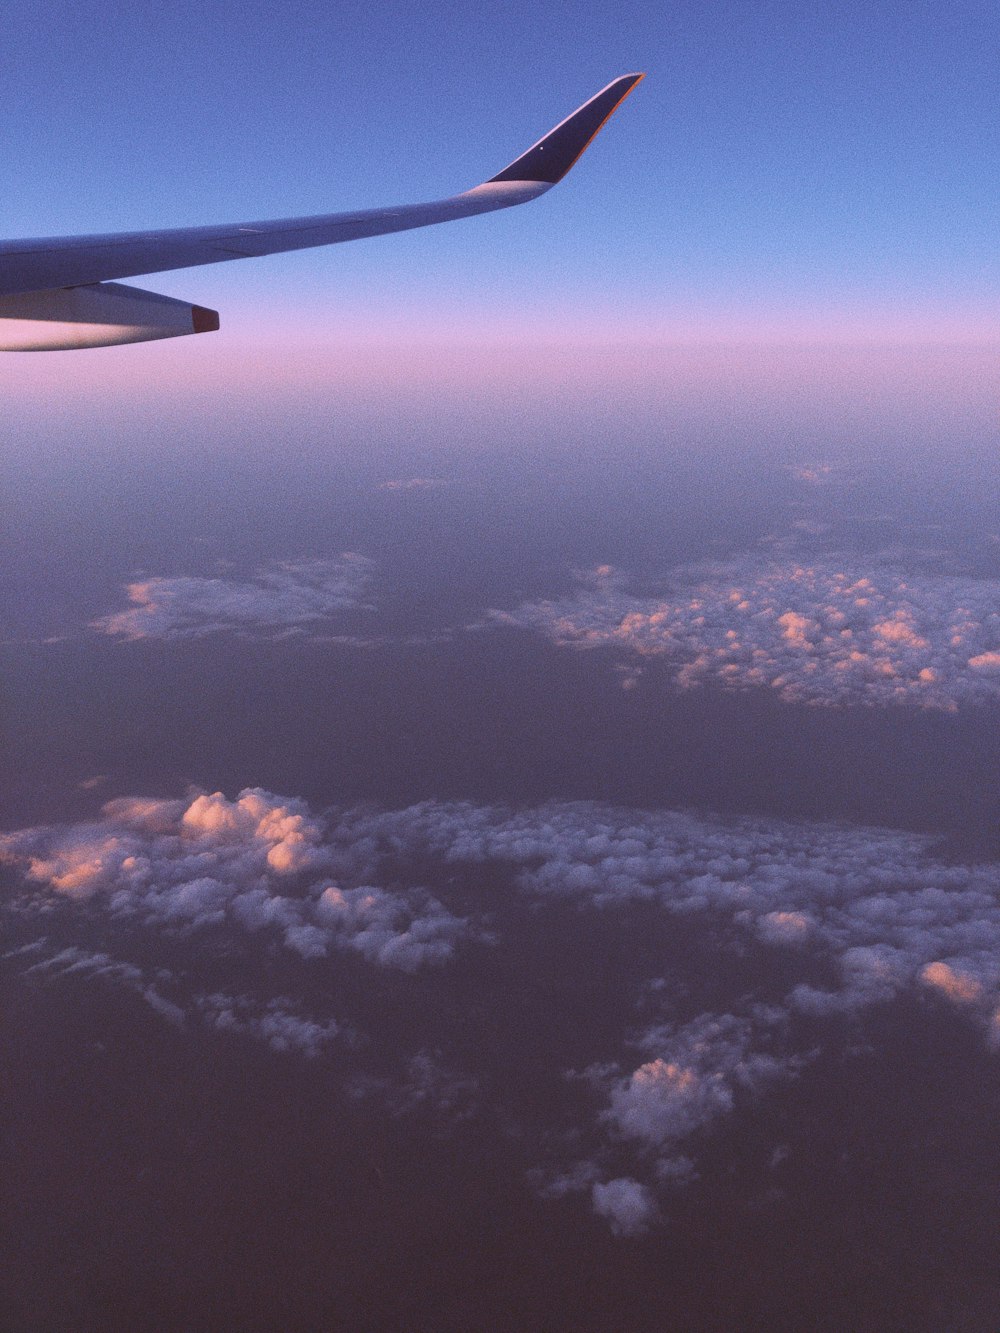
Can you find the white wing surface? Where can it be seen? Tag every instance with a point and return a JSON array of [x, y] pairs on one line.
[[62, 292]]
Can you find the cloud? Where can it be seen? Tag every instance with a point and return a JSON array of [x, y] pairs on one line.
[[861, 916], [426, 1084], [389, 928], [876, 904], [574, 1179], [292, 596], [812, 473], [90, 965], [665, 1100], [697, 1074], [813, 922], [627, 1206], [274, 1022], [791, 928], [691, 1081], [958, 986], [249, 864], [415, 484], [826, 633], [73, 960]]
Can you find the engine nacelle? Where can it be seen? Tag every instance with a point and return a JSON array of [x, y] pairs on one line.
[[99, 315]]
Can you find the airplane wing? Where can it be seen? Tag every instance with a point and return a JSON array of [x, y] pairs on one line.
[[63, 293]]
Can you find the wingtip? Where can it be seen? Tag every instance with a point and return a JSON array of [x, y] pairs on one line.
[[548, 161]]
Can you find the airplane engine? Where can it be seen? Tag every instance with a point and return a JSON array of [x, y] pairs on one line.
[[99, 315]]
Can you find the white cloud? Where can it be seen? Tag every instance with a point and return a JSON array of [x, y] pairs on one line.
[[274, 1022], [875, 903], [286, 597], [251, 863], [696, 1074], [861, 916], [958, 986], [665, 1100], [824, 633], [791, 928], [92, 965], [858, 917], [389, 928], [627, 1206]]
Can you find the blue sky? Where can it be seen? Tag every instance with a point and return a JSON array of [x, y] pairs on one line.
[[784, 166]]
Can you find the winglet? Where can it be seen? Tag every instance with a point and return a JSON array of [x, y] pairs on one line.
[[551, 157]]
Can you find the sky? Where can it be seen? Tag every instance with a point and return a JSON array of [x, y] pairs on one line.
[[783, 171], [499, 821]]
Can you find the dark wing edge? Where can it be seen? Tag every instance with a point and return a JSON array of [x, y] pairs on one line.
[[548, 160]]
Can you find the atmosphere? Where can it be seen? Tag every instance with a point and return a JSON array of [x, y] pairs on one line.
[[784, 170], [499, 741]]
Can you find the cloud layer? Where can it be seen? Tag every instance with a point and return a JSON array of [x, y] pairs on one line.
[[282, 598], [824, 921], [858, 918], [253, 864], [826, 633], [879, 903], [277, 1021]]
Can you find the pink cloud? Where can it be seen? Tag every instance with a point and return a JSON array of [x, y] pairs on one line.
[[958, 986], [210, 862], [826, 633]]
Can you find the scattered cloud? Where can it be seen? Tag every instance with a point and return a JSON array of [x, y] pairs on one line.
[[274, 1022], [691, 1080], [825, 921], [415, 484], [826, 633], [815, 474], [696, 1074], [72, 961], [877, 902], [285, 597], [862, 917], [627, 1206], [426, 1084], [253, 864]]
